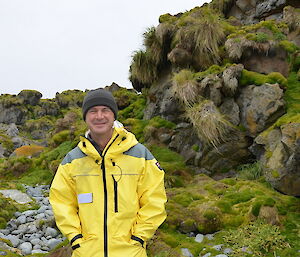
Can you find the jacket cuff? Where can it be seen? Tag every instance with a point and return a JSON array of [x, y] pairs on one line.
[[137, 239]]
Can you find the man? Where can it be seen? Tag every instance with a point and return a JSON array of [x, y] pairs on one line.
[[108, 193]]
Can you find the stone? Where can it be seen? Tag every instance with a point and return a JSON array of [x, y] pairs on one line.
[[15, 241], [53, 242], [199, 238], [51, 232], [26, 248], [12, 130], [260, 106], [21, 219], [186, 252], [217, 247], [31, 97], [16, 195]]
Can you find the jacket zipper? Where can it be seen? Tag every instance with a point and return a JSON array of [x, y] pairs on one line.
[[105, 199]]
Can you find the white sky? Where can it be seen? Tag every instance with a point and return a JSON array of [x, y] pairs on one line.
[[56, 45]]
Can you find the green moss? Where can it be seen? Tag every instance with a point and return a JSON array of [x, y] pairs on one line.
[[60, 137], [169, 160], [131, 105], [196, 148], [275, 174], [229, 181], [70, 98], [289, 46], [240, 196], [137, 127], [256, 208], [6, 142], [166, 18], [37, 176], [225, 206], [158, 122], [233, 221], [251, 77]]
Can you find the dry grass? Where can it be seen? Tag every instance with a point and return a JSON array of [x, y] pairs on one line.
[[185, 87], [153, 45], [203, 35], [142, 68], [209, 123]]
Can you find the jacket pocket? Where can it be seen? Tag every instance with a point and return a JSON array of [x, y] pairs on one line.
[[87, 248]]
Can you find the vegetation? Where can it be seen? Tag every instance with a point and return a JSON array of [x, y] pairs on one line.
[[209, 123]]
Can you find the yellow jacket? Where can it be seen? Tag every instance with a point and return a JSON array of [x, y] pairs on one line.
[[109, 205]]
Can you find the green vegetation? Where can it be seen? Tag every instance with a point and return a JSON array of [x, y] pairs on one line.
[[209, 123], [254, 78], [185, 87], [143, 69], [257, 238], [252, 171]]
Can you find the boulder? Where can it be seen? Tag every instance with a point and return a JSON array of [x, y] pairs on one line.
[[161, 102], [260, 106], [180, 57], [31, 97], [276, 60], [280, 156]]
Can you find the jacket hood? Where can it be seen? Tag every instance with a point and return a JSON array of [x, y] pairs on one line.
[[121, 141]]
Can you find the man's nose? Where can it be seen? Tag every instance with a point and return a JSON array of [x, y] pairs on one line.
[[99, 114]]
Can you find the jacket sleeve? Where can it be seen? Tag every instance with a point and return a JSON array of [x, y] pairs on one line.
[[63, 200], [152, 199]]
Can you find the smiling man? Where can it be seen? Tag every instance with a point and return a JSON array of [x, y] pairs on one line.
[[108, 193]]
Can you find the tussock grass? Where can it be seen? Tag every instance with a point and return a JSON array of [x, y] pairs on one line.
[[209, 123], [185, 87], [143, 69], [153, 45], [203, 36]]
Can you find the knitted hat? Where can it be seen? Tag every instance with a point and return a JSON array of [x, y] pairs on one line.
[[99, 97]]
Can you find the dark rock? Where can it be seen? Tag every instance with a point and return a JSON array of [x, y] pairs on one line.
[[260, 106], [281, 157]]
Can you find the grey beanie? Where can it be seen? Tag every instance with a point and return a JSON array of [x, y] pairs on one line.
[[99, 97]]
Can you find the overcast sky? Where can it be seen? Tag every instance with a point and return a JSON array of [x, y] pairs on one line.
[[56, 45]]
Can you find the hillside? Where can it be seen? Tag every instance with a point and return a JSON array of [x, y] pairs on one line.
[[216, 100]]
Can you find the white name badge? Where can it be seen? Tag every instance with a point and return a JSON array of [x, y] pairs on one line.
[[85, 198]]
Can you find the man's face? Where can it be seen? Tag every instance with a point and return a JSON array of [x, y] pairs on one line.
[[99, 120]]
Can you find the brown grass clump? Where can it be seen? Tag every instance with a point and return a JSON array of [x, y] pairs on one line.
[[185, 87], [209, 123], [142, 69], [202, 36]]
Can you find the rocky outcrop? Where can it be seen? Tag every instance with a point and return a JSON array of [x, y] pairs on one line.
[[260, 106], [279, 152], [253, 11], [161, 101], [31, 97]]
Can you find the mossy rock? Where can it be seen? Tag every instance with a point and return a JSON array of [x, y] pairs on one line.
[[31, 97], [70, 98], [14, 167]]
